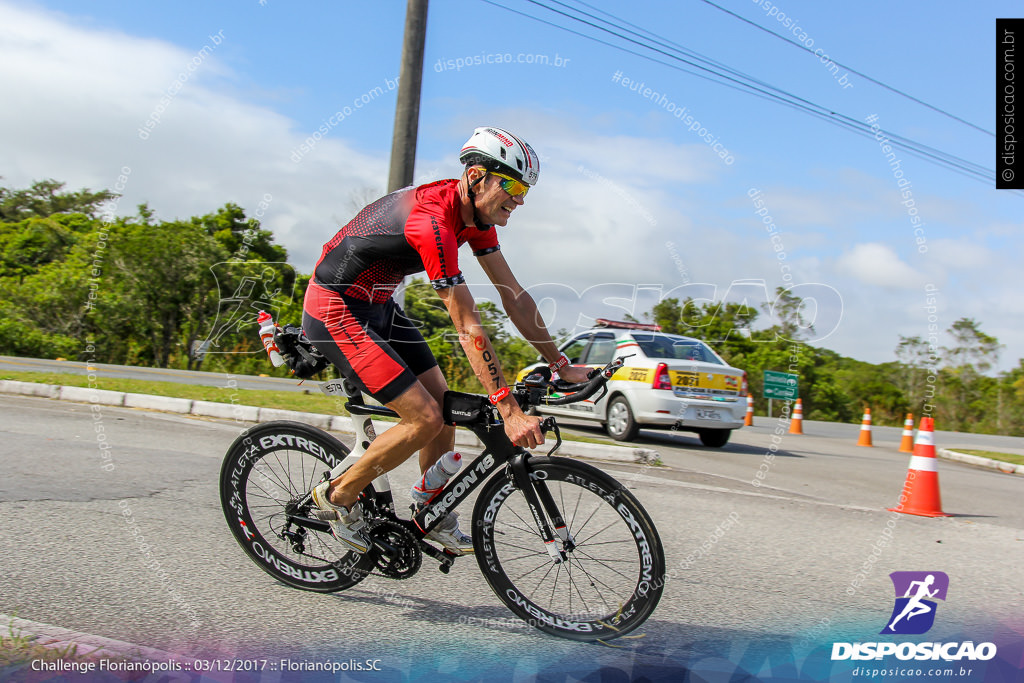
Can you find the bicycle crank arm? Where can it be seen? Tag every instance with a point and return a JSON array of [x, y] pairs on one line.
[[445, 559]]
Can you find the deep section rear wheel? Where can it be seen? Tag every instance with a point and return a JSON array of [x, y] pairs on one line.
[[266, 475], [613, 573]]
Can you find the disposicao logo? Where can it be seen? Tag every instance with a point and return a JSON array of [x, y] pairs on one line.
[[913, 614]]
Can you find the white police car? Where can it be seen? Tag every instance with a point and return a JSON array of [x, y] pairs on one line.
[[668, 382]]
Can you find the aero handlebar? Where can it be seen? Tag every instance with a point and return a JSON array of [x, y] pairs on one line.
[[533, 390]]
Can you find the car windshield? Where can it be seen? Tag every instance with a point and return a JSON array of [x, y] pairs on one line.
[[675, 348]]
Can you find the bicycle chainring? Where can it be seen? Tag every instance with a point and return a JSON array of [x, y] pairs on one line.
[[409, 558]]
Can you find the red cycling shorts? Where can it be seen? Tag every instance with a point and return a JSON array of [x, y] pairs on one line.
[[374, 345]]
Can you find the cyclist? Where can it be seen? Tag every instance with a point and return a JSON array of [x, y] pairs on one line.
[[350, 316]]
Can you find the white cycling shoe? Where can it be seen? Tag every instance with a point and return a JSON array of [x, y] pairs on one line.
[[348, 526], [448, 534]]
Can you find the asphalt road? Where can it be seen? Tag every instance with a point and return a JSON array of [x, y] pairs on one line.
[[784, 573]]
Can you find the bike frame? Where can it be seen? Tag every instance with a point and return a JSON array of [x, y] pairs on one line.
[[498, 452]]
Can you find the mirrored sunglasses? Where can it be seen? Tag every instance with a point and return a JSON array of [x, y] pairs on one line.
[[514, 187]]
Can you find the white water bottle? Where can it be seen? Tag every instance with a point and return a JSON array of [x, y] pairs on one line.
[[436, 476], [267, 328]]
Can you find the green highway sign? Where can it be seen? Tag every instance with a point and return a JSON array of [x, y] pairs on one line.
[[780, 385]]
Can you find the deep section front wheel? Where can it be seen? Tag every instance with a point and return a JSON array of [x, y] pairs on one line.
[[610, 572], [264, 485]]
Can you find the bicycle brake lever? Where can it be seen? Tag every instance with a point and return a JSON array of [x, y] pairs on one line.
[[550, 425], [604, 392]]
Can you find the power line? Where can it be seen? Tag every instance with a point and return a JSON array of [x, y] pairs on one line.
[[748, 84], [850, 69]]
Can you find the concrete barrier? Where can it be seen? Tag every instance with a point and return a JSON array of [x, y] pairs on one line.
[[967, 458], [87, 395], [163, 403], [315, 419], [227, 411], [10, 386]]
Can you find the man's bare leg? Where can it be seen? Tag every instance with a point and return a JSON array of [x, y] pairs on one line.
[[419, 427], [434, 382]]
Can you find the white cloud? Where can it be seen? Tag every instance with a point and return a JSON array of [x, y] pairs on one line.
[[878, 265], [613, 211], [960, 254], [82, 95]]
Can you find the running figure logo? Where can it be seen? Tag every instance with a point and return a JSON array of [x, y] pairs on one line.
[[913, 613]]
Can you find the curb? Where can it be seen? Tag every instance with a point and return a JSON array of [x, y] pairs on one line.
[[1004, 467], [84, 644], [242, 413]]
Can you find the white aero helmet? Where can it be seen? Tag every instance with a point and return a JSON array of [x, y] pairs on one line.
[[498, 150]]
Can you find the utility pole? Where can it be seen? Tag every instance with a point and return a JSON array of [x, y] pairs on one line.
[[407, 109]]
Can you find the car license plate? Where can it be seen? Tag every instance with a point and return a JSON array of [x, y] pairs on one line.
[[704, 414]]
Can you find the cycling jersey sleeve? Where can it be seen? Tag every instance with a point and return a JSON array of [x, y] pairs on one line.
[[429, 230], [484, 242]]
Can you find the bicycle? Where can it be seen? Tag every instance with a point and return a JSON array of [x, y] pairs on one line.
[[562, 544]]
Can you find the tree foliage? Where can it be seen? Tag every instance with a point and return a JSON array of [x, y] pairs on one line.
[[185, 293]]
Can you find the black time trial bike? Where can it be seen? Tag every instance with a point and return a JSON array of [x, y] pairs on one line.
[[562, 544]]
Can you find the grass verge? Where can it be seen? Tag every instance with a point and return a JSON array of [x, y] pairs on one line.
[[994, 455], [312, 402]]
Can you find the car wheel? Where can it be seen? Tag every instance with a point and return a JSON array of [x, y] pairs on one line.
[[621, 426], [714, 438]]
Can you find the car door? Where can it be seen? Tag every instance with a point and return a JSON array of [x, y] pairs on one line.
[[599, 352], [575, 350]]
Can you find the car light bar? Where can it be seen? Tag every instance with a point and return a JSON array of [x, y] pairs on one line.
[[627, 325]]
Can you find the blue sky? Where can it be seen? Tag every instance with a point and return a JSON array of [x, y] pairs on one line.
[[631, 205]]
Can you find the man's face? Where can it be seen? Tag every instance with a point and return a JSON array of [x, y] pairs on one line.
[[493, 204]]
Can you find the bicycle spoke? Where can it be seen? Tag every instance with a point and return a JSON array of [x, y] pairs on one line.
[[570, 520], [554, 587], [627, 541], [607, 566], [597, 509], [526, 528], [517, 547], [534, 555], [587, 540], [265, 493], [284, 486], [550, 566], [574, 584]]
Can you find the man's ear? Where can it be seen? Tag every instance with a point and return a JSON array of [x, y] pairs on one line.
[[474, 173]]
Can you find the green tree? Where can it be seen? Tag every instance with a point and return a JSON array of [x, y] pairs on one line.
[[164, 273], [962, 379], [46, 197], [914, 358], [788, 310]]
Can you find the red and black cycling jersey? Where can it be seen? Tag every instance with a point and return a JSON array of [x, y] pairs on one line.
[[409, 231]]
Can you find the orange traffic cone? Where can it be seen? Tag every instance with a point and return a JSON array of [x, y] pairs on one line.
[[921, 490], [865, 429], [907, 442], [796, 425], [748, 421]]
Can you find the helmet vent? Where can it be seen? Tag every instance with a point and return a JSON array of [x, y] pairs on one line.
[[504, 154]]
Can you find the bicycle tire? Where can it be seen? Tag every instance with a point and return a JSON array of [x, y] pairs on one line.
[[288, 459], [612, 595]]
